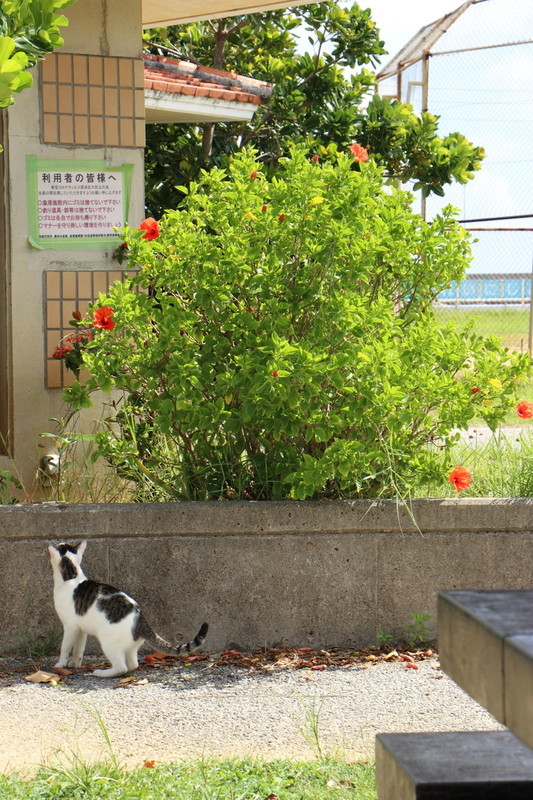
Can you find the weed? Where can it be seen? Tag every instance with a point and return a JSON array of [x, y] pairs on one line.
[[8, 485], [79, 479], [383, 639], [78, 779], [30, 646], [75, 778], [418, 632], [309, 725], [36, 648]]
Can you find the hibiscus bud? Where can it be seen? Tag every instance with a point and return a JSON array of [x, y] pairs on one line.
[[253, 175], [281, 217], [275, 373], [315, 159], [264, 207], [475, 390], [76, 315]]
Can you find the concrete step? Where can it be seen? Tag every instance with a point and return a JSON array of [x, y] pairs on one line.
[[486, 647], [487, 765]]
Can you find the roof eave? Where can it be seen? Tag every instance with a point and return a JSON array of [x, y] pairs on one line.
[[163, 107], [160, 13]]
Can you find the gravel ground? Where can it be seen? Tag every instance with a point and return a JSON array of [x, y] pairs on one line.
[[202, 710]]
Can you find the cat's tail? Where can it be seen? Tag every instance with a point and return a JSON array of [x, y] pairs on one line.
[[145, 631]]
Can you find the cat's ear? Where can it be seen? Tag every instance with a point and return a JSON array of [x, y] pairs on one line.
[[80, 549], [54, 554]]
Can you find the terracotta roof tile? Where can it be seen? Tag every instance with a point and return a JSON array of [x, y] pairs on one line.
[[174, 76]]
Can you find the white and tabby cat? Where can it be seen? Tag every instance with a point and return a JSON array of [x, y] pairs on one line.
[[87, 607]]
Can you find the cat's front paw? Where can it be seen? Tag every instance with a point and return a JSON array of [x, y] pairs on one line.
[[75, 662], [61, 663]]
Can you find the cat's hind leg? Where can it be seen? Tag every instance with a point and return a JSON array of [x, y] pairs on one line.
[[118, 667], [132, 658], [116, 655]]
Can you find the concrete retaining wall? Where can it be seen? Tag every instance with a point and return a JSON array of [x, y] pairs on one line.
[[302, 574]]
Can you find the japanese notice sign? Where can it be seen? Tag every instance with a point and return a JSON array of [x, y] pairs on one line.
[[77, 204]]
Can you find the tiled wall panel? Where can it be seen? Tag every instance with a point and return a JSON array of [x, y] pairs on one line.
[[65, 292], [92, 100]]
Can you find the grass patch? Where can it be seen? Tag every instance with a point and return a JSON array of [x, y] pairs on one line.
[[501, 466], [511, 325], [203, 779]]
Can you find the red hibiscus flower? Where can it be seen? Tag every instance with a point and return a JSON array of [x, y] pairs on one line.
[[151, 228], [359, 153], [253, 175], [475, 390], [102, 318], [524, 409], [460, 478]]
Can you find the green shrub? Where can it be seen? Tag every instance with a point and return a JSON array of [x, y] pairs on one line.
[[278, 341]]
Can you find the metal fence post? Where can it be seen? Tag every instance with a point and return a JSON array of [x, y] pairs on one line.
[[530, 337]]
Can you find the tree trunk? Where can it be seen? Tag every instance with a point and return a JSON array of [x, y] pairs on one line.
[[221, 37]]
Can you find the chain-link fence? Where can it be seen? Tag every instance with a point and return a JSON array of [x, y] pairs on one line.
[[473, 69], [499, 303]]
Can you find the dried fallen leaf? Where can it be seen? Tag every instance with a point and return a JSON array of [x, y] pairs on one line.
[[319, 666], [149, 764], [392, 654], [410, 665], [269, 659], [130, 680], [62, 671], [272, 797], [40, 677]]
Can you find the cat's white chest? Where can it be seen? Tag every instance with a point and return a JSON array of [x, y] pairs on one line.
[[64, 603]]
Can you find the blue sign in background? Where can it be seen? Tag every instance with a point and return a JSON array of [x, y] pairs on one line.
[[489, 287]]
